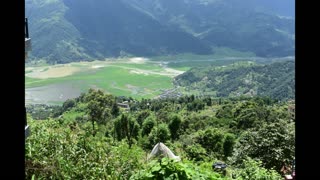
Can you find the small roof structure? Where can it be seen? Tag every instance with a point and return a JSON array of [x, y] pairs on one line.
[[161, 150], [219, 165]]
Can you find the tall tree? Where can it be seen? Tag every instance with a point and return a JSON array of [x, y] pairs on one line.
[[174, 126], [115, 111], [126, 127], [98, 104], [147, 126], [228, 144]]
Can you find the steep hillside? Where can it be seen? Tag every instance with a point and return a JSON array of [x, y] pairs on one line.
[[276, 80], [53, 37], [242, 25], [119, 27], [65, 31]]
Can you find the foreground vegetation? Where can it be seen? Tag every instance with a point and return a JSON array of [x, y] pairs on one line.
[[90, 137]]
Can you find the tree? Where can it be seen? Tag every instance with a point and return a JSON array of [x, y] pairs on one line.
[[97, 106], [196, 152], [68, 104], [174, 126], [160, 133], [228, 144], [142, 116], [246, 115], [273, 143], [225, 111], [208, 101], [212, 140], [147, 126], [126, 127], [115, 111]]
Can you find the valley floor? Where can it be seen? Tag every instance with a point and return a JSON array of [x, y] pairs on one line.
[[136, 77]]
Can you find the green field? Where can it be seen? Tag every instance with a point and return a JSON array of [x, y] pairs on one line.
[[121, 78], [135, 77], [222, 56]]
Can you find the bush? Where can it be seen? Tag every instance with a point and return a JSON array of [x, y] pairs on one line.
[[253, 170], [147, 126], [196, 152], [159, 134], [170, 169]]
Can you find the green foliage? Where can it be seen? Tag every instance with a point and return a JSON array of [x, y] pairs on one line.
[[68, 104], [196, 152], [212, 140], [64, 148], [126, 127], [169, 169], [147, 126], [228, 144], [159, 133], [253, 170], [164, 113], [195, 105], [174, 126], [55, 152], [273, 144], [275, 80], [142, 116], [97, 106], [43, 111], [246, 115], [194, 123], [115, 111], [225, 111]]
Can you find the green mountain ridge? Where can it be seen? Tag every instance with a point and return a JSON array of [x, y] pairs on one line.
[[64, 31], [276, 80]]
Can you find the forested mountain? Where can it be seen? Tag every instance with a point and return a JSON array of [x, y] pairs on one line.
[[276, 80], [91, 137], [64, 30]]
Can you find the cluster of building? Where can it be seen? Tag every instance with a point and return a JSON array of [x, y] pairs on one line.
[[170, 93]]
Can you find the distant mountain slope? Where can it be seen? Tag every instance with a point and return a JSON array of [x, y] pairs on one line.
[[276, 80], [119, 27], [65, 30], [247, 25], [53, 37]]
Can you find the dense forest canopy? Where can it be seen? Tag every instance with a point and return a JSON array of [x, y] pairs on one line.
[[276, 80], [92, 136]]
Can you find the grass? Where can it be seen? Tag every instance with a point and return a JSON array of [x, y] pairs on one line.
[[115, 78], [120, 77], [219, 52], [222, 56], [120, 81], [184, 66]]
